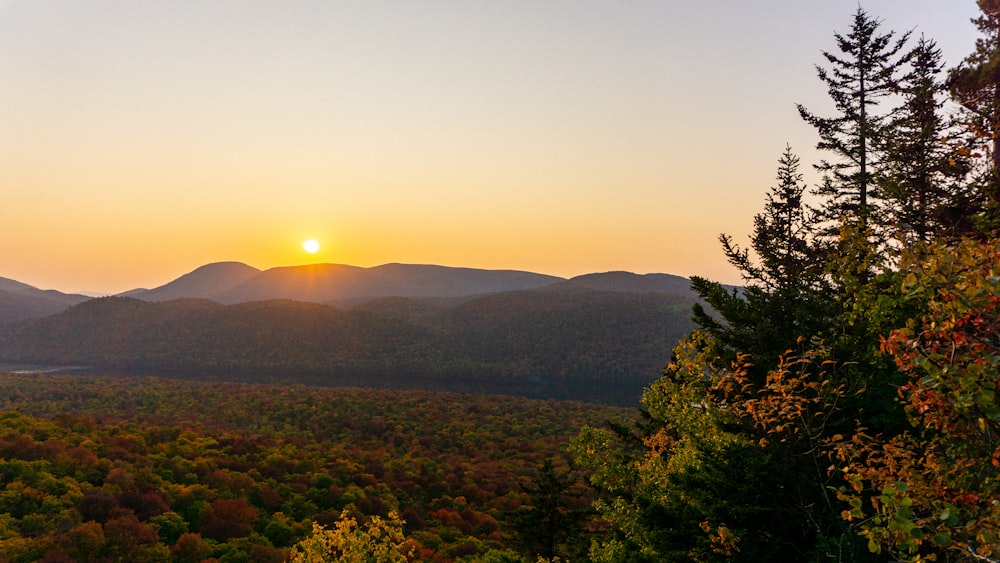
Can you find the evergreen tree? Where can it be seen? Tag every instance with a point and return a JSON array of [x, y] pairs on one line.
[[783, 236], [786, 294], [863, 74], [924, 186], [553, 524]]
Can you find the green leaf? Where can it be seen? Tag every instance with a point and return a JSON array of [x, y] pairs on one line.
[[873, 546]]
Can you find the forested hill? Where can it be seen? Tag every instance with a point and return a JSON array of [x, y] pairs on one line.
[[563, 341]]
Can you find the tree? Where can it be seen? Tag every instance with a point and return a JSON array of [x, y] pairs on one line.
[[783, 236], [553, 523], [128, 539], [190, 548], [976, 85], [378, 541], [927, 163], [932, 490], [863, 74], [223, 519], [86, 542], [786, 293]]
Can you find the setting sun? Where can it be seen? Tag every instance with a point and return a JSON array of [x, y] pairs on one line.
[[311, 246]]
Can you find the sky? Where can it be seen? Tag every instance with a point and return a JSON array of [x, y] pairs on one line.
[[141, 139]]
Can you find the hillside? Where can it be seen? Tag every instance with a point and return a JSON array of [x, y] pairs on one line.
[[20, 301], [570, 343]]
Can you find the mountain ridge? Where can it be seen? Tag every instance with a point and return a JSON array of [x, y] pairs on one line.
[[20, 301], [235, 282], [563, 343], [339, 285]]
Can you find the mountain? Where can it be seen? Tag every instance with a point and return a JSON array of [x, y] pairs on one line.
[[601, 337], [634, 283], [205, 282], [233, 282], [20, 301], [565, 342]]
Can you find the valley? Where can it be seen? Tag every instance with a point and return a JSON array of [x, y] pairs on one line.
[[600, 337]]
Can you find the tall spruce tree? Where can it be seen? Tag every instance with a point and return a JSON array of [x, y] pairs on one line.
[[927, 162], [864, 73]]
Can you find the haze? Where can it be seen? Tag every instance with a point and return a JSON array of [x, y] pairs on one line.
[[139, 140]]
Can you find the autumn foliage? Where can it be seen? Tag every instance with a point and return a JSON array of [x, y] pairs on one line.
[[129, 469], [935, 488]]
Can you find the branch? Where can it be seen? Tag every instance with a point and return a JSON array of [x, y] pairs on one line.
[[975, 555]]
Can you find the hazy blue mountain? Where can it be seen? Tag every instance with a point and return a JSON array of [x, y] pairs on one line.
[[19, 301]]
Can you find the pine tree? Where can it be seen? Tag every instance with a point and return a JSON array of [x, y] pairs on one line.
[[925, 188], [553, 524], [786, 294], [863, 74], [783, 235]]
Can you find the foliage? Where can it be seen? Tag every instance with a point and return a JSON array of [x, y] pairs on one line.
[[129, 468], [933, 490], [377, 541], [728, 469], [788, 383]]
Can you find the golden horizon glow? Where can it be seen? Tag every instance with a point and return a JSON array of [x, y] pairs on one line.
[[140, 140]]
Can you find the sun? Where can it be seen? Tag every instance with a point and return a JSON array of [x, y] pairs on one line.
[[310, 246]]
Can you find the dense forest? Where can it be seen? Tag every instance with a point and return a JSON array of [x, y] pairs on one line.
[[841, 406], [146, 469], [567, 342]]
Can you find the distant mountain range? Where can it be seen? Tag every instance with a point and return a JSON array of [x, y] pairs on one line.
[[234, 282], [599, 337], [334, 284], [20, 301]]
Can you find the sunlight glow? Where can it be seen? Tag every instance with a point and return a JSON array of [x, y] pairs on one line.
[[311, 246]]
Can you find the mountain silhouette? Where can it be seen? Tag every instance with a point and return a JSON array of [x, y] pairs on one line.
[[205, 282], [627, 282], [234, 282], [20, 301]]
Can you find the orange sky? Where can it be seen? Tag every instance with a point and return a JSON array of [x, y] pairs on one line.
[[140, 140]]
